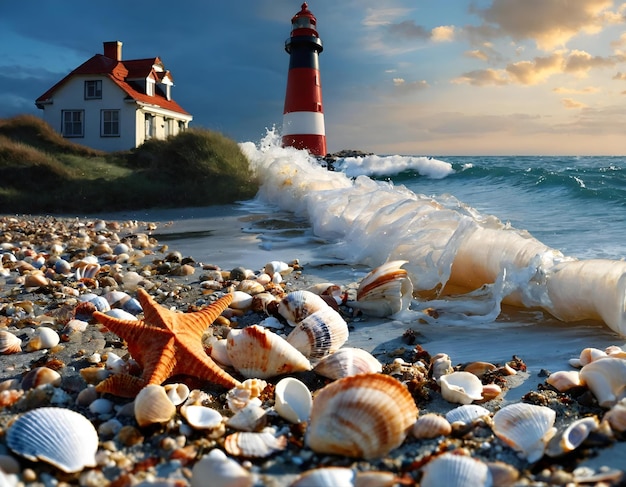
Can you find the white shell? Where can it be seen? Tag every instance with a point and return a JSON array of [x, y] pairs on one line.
[[319, 334], [201, 417], [152, 405], [292, 400], [61, 437], [9, 343], [526, 428], [43, 337], [326, 477], [467, 414], [431, 425], [260, 353], [221, 470], [440, 365], [572, 437], [251, 418], [254, 445], [385, 291], [606, 379], [219, 353], [297, 305], [239, 396], [241, 300], [177, 393], [455, 471], [277, 266], [563, 380], [461, 387], [363, 416], [348, 361], [616, 417]]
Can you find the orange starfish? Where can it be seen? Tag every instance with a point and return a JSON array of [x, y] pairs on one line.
[[165, 343]]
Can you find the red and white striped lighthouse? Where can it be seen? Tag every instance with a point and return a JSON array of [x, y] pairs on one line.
[[303, 116]]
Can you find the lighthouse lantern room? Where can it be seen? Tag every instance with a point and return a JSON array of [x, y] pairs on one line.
[[303, 116]]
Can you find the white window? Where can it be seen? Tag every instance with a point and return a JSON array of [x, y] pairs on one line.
[[167, 127], [150, 87], [149, 126], [73, 123], [110, 123], [93, 90]]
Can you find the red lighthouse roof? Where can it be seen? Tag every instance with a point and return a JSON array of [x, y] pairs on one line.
[[304, 22]]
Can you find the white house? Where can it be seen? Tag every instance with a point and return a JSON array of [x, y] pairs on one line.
[[111, 105]]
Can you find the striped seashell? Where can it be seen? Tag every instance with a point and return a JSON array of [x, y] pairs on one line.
[[363, 416], [297, 305], [221, 470], [254, 445], [467, 414], [461, 387], [58, 436], [152, 405], [385, 291], [606, 379], [431, 425], [257, 352], [320, 333], [292, 400], [456, 471], [9, 343], [572, 436], [526, 428], [346, 362]]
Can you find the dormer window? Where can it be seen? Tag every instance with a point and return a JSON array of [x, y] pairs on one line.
[[150, 87], [93, 89]]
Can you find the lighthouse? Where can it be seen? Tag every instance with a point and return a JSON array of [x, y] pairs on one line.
[[303, 116]]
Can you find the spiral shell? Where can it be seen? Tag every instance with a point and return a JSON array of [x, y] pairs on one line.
[[254, 445], [431, 425], [320, 333], [223, 471], [297, 305], [364, 415], [60, 437], [348, 361], [606, 378], [260, 353], [9, 343], [152, 405], [526, 428], [456, 471]]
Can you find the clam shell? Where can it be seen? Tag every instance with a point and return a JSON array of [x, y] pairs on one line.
[[320, 333], [526, 428], [60, 437], [606, 378], [241, 300], [364, 415], [431, 425], [260, 353], [348, 361], [202, 417], [385, 291], [221, 470], [467, 414], [152, 405], [297, 305], [325, 477], [455, 471], [564, 380], [254, 445], [9, 343], [461, 387], [572, 436], [292, 400], [44, 337]]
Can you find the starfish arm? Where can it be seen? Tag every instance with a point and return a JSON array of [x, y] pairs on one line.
[[196, 323], [122, 328], [122, 385], [198, 364], [153, 312], [159, 363]]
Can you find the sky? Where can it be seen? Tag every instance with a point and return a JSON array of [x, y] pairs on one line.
[[412, 77]]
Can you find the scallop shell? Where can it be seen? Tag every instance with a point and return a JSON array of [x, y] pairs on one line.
[[260, 353], [467, 414], [455, 471], [572, 436], [526, 428], [292, 400], [461, 387], [297, 305], [564, 380], [44, 337], [254, 445], [606, 379], [348, 361], [152, 405], [385, 291], [325, 477], [364, 415], [9, 343], [431, 425], [320, 333], [221, 470], [61, 437]]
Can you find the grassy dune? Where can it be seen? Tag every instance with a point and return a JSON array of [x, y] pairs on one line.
[[41, 172]]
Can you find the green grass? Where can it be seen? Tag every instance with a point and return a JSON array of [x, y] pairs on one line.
[[41, 172]]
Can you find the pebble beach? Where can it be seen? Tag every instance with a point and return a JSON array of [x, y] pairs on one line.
[[57, 271]]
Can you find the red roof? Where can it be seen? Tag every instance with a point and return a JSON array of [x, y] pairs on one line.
[[121, 73]]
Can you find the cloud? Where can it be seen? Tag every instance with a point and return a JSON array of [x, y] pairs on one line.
[[483, 77], [408, 29], [477, 54], [577, 91], [620, 76], [581, 62], [535, 71], [402, 86], [444, 33], [570, 103]]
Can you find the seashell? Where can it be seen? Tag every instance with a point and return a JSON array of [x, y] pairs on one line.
[[121, 248], [239, 396], [440, 365], [178, 393], [257, 352], [44, 337], [606, 379], [94, 375], [60, 437], [62, 267], [431, 425], [325, 477], [9, 343], [491, 391], [455, 471], [35, 279], [221, 470], [461, 387], [275, 266], [467, 414], [348, 361], [100, 303], [320, 333], [86, 270], [250, 287], [202, 417], [526, 428], [120, 299], [152, 405], [364, 415], [616, 417], [254, 445], [120, 314], [40, 376], [101, 406], [219, 353], [241, 300], [385, 291], [251, 418], [563, 380], [115, 363], [479, 369], [292, 400], [265, 302], [297, 305], [571, 437], [328, 289]]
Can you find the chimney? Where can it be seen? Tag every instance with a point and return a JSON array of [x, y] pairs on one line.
[[113, 50]]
